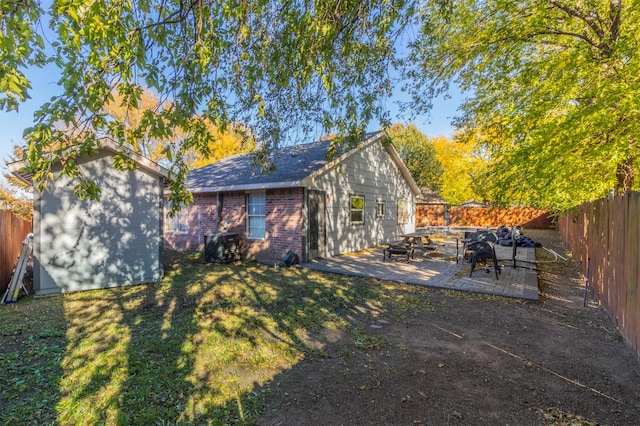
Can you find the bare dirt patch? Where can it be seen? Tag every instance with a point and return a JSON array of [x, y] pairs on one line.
[[441, 357]]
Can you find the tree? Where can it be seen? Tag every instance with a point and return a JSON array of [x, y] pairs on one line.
[[232, 140], [419, 155], [235, 139], [131, 118], [20, 47], [282, 69], [553, 91], [13, 193], [461, 165]]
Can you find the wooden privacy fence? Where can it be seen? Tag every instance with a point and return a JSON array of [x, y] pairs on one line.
[[12, 232], [436, 215], [607, 232]]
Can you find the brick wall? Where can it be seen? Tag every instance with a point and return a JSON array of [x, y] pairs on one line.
[[201, 220], [284, 223]]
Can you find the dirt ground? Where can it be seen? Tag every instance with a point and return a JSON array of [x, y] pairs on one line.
[[446, 358]]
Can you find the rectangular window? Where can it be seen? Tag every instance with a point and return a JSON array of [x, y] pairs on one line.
[[380, 209], [356, 204], [178, 223], [256, 216], [403, 211]]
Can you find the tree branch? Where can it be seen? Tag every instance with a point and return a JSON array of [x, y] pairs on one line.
[[575, 13], [554, 32]]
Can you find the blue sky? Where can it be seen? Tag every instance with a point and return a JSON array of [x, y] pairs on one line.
[[44, 86]]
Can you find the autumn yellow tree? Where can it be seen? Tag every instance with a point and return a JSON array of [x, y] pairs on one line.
[[235, 139], [14, 193], [462, 164], [132, 116], [419, 155], [221, 143]]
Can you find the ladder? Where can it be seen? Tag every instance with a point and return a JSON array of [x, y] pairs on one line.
[[11, 295]]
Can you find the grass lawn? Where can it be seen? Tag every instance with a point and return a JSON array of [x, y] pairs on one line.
[[201, 347]]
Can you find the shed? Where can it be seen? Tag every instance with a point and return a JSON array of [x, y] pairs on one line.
[[309, 205], [116, 241]]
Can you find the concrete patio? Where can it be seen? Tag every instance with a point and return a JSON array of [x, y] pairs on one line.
[[439, 269]]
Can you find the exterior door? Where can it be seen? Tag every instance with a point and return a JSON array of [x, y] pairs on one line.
[[316, 224]]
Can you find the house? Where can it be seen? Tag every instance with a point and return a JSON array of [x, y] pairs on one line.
[[116, 241], [313, 207]]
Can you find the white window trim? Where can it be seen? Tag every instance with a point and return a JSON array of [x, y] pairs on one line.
[[249, 216], [352, 210], [384, 208], [173, 224]]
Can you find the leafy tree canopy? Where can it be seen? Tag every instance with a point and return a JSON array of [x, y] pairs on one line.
[[554, 84], [281, 68], [14, 193], [554, 91], [418, 154], [462, 165], [221, 143], [235, 139]]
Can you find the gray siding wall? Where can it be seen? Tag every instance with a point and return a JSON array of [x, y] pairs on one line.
[[82, 245], [370, 173]]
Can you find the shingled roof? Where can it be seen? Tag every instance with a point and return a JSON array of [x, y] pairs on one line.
[[22, 171], [292, 165]]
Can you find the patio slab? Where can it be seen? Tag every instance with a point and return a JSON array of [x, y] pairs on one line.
[[439, 269]]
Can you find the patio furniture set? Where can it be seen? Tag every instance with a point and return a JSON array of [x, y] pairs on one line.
[[478, 247], [408, 247]]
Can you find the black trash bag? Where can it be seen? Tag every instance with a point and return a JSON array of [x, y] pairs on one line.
[[523, 241]]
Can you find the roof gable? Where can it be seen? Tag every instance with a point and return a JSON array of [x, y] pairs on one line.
[[22, 171], [294, 165]]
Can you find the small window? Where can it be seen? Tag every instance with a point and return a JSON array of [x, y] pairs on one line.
[[179, 222], [256, 216], [380, 209], [357, 209], [403, 211]]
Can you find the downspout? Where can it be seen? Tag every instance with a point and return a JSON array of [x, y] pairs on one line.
[[219, 206]]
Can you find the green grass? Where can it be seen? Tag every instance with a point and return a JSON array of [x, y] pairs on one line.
[[200, 347]]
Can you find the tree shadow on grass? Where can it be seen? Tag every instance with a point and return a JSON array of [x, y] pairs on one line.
[[33, 344], [200, 347]]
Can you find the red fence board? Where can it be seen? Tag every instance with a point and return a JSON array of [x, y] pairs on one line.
[[12, 232], [607, 232], [436, 215]]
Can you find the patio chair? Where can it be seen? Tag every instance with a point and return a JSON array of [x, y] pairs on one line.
[[406, 248]]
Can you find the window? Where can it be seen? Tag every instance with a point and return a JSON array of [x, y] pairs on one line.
[[380, 209], [357, 209], [178, 223], [403, 211], [256, 216]]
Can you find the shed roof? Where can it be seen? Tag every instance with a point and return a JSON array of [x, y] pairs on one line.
[[23, 172], [293, 166]]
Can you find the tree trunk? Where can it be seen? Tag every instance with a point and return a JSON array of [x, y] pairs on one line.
[[625, 175]]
